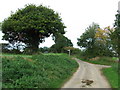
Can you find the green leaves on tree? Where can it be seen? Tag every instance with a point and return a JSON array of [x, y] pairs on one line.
[[31, 25]]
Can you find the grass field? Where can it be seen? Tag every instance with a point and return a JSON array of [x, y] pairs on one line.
[[37, 71], [54, 54], [23, 55], [14, 55]]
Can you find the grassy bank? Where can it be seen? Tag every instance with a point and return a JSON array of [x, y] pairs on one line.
[[110, 73], [38, 71]]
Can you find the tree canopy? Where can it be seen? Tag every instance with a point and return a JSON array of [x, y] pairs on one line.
[[96, 41], [0, 26], [31, 25], [60, 42], [115, 35], [87, 40]]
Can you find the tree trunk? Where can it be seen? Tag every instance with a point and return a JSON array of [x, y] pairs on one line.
[[119, 59], [34, 47], [33, 42], [118, 52]]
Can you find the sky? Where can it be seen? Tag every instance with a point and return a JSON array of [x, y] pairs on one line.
[[77, 15]]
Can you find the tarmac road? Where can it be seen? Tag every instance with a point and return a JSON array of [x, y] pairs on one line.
[[87, 76]]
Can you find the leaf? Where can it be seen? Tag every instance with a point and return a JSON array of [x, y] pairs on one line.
[[42, 31]]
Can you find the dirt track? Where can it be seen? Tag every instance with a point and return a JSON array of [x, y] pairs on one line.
[[87, 76]]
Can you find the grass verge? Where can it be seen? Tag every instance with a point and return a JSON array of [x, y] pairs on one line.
[[101, 60], [39, 71], [112, 75]]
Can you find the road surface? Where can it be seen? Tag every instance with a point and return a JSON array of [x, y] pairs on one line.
[[87, 76]]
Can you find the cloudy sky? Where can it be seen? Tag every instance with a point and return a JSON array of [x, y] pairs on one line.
[[77, 15]]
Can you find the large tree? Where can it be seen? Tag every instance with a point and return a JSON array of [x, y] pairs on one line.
[[115, 36], [103, 41], [31, 25], [0, 25], [95, 41], [87, 39], [60, 42]]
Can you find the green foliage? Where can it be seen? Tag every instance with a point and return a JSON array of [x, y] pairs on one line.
[[40, 71], [92, 47], [0, 26], [76, 51], [30, 51], [44, 49], [87, 39], [31, 25], [60, 42], [73, 51], [4, 47], [115, 36]]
